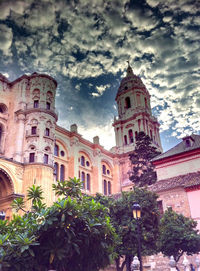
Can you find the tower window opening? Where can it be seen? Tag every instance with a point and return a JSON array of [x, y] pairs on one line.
[[130, 133], [48, 105], [151, 135], [139, 124], [88, 181], [82, 161], [104, 169], [105, 187], [33, 130], [125, 140], [138, 99], [136, 133], [127, 102], [56, 150], [83, 179], [145, 101], [46, 158], [36, 104], [62, 173], [47, 132], [32, 157]]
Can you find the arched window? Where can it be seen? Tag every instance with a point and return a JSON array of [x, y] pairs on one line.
[[56, 171], [104, 169], [83, 179], [105, 187], [109, 188], [46, 159], [32, 157], [82, 161], [62, 173], [136, 134], [130, 134], [56, 150], [127, 102], [88, 181], [125, 140]]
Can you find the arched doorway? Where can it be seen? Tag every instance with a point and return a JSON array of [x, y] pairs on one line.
[[6, 193]]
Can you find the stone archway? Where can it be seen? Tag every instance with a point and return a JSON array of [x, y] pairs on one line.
[[6, 193]]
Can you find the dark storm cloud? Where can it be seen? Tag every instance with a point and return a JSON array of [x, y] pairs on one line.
[[84, 42]]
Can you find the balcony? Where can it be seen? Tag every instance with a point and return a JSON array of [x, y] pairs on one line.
[[30, 134], [42, 107], [51, 136]]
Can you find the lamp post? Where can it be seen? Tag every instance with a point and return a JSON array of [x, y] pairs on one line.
[[2, 215], [137, 215]]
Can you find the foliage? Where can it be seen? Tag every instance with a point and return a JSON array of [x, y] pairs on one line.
[[126, 228], [143, 172], [70, 188], [178, 235], [73, 234]]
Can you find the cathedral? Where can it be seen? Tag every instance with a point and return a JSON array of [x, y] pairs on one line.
[[35, 150]]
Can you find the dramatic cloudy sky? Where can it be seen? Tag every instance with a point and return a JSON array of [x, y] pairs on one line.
[[84, 45]]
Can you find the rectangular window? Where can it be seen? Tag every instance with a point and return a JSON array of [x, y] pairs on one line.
[[33, 130], [48, 105], [46, 158], [36, 104], [47, 132], [32, 157]]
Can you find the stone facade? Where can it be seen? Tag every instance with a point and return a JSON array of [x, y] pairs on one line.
[[35, 150]]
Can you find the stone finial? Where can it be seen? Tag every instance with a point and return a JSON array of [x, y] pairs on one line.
[[74, 128], [96, 140]]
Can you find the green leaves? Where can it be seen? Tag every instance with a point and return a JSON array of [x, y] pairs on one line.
[[71, 188], [59, 237], [178, 235], [143, 172], [18, 204]]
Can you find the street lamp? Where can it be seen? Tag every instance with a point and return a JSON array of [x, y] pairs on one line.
[[137, 215], [2, 215]]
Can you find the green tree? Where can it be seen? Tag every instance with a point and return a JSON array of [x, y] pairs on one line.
[[73, 234], [178, 235], [120, 211], [143, 172]]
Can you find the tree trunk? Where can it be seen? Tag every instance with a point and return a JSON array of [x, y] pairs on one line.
[[128, 262], [117, 263]]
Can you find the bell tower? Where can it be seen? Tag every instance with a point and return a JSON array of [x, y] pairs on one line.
[[134, 114]]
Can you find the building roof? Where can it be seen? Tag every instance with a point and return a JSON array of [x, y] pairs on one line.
[[188, 143], [184, 181]]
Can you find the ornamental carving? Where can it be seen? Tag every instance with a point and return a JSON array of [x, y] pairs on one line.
[[97, 152], [74, 141]]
